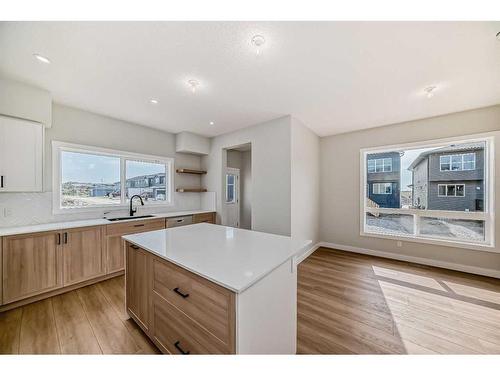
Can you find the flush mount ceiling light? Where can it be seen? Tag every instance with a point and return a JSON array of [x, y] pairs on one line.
[[41, 58], [429, 91], [193, 84], [258, 42], [212, 123], [153, 101]]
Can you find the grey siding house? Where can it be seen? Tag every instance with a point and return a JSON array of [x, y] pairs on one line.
[[449, 178], [383, 179]]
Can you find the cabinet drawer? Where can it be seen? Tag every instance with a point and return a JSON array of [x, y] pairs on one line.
[[204, 218], [203, 301], [178, 334], [135, 226]]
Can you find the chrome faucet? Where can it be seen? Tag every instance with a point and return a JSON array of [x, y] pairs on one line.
[[134, 210]]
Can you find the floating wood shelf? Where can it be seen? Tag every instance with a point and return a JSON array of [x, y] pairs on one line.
[[191, 190], [190, 171]]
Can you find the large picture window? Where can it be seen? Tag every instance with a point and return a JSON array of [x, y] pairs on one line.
[[90, 178], [435, 192]]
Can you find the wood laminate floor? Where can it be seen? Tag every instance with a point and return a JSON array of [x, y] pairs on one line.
[[90, 320], [357, 304], [347, 304]]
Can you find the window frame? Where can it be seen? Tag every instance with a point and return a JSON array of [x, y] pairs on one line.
[[488, 215], [462, 162], [59, 147], [446, 190]]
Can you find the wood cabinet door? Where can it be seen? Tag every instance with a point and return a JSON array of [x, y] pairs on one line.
[[30, 264], [115, 256], [138, 280], [83, 256]]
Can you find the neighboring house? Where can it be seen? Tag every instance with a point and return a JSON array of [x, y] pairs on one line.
[[101, 190], [383, 179], [449, 178], [151, 186]]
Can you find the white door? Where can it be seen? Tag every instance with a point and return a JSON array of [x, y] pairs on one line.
[[232, 197], [21, 155]]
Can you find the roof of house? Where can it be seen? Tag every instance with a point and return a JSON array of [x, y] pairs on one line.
[[451, 148]]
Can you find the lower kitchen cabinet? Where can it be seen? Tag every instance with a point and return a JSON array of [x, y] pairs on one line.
[[36, 264], [138, 285], [115, 255], [31, 265], [83, 255]]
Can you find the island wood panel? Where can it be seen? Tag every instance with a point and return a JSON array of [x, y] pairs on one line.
[[204, 218], [115, 254], [30, 265], [138, 283], [178, 334], [211, 311], [83, 255], [209, 304]]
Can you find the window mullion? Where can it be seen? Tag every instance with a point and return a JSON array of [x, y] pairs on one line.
[[122, 180]]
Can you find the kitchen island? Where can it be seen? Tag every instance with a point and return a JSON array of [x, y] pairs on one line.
[[210, 289]]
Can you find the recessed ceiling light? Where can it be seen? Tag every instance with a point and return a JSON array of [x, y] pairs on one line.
[[193, 84], [212, 123], [153, 101], [41, 58], [258, 41], [429, 91]]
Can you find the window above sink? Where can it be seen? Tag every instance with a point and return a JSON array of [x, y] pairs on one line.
[[87, 178]]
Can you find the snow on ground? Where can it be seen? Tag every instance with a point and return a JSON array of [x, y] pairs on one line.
[[469, 230]]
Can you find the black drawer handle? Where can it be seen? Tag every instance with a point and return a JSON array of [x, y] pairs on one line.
[[1, 181], [176, 290], [177, 345], [58, 238], [134, 247], [65, 237], [139, 225]]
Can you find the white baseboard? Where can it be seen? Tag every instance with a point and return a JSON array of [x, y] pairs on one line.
[[407, 258], [304, 253]]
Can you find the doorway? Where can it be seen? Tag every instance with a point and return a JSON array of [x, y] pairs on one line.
[[237, 187]]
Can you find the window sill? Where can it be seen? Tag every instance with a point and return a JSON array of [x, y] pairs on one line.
[[435, 241]]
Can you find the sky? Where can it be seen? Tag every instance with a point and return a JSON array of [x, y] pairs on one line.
[[408, 158], [79, 167]]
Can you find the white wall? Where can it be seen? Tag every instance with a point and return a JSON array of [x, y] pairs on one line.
[[270, 172], [340, 184], [78, 126], [24, 101], [246, 190], [305, 180]]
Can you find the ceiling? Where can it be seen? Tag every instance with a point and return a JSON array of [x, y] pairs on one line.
[[333, 76]]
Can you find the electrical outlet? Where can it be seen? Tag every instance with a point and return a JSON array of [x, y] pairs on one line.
[[399, 243], [7, 212]]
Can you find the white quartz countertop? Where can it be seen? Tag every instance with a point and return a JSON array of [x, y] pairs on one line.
[[8, 231], [233, 258]]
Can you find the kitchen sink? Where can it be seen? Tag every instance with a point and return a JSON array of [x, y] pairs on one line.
[[129, 217]]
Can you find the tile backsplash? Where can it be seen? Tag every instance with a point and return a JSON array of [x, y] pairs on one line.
[[19, 209]]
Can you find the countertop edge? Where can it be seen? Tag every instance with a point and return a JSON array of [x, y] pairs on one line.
[[55, 226], [224, 285]]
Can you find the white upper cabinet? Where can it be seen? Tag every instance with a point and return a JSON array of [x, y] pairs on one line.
[[21, 155]]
